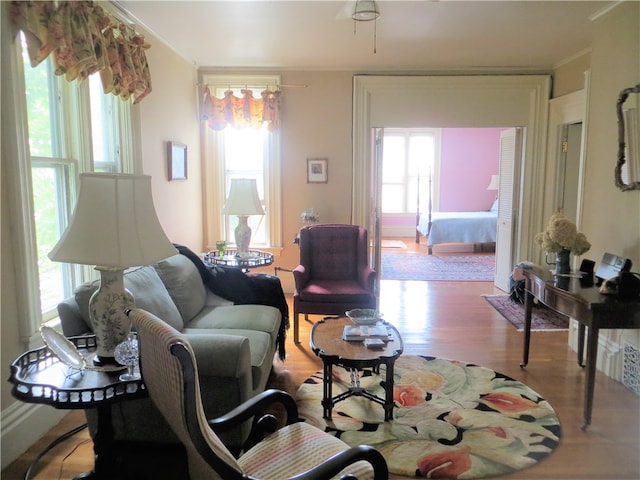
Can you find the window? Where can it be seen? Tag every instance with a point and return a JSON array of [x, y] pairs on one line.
[[72, 127], [245, 155], [242, 153], [410, 156]]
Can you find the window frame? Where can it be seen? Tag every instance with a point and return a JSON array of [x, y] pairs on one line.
[[214, 173], [74, 128], [407, 133]]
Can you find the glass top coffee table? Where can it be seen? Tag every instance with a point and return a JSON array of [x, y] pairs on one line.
[[327, 343]]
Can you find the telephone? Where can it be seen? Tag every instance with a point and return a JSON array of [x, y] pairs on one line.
[[610, 266], [615, 278]]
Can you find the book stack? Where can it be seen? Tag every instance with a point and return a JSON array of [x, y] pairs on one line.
[[359, 333]]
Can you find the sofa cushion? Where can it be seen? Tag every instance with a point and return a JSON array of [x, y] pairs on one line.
[[250, 317], [184, 284], [149, 293]]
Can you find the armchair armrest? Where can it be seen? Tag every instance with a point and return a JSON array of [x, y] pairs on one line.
[[367, 278], [257, 406], [301, 277]]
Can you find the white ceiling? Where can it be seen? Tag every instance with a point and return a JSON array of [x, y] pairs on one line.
[[445, 35]]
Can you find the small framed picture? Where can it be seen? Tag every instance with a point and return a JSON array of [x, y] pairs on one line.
[[177, 160], [317, 170]]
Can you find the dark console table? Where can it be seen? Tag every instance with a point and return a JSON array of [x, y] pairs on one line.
[[38, 376], [576, 297]]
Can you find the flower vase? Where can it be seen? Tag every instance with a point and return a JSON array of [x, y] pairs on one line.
[[563, 263]]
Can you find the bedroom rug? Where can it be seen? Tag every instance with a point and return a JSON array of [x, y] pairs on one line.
[[451, 419], [454, 268], [542, 318]]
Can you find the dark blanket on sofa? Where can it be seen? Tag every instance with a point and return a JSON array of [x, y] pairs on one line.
[[243, 289]]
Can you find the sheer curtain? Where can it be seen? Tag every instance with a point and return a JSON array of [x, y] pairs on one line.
[[244, 111]]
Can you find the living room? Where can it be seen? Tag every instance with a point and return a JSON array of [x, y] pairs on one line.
[[318, 122]]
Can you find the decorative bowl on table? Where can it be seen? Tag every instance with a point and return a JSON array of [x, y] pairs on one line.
[[364, 316]]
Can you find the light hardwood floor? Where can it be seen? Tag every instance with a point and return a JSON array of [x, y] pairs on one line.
[[452, 320]]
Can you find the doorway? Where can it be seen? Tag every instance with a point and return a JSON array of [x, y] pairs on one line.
[[456, 101], [451, 172]]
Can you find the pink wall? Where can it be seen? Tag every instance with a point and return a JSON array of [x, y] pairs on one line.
[[469, 157]]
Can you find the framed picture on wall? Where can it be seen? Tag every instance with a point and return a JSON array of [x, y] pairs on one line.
[[317, 170], [177, 160]]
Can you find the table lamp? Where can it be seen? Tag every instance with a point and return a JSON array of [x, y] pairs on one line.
[[493, 183], [114, 226], [243, 201]]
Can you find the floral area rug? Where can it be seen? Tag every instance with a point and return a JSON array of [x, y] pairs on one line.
[[454, 268], [543, 319], [451, 419]]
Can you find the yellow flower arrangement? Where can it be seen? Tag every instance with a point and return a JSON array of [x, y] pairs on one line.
[[562, 233]]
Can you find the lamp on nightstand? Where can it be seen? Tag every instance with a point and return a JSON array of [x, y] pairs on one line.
[[493, 183], [114, 226], [243, 201]]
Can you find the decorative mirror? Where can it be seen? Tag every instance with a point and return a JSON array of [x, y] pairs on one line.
[[627, 173]]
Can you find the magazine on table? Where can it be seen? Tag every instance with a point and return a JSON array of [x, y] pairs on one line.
[[357, 333]]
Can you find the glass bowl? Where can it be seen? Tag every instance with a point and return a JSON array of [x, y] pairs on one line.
[[364, 316]]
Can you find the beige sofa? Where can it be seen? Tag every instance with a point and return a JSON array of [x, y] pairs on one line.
[[234, 344]]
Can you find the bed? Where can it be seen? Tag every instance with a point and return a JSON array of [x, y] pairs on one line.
[[463, 227]]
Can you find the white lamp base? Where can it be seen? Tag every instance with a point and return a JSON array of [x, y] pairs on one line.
[[108, 308], [243, 236]]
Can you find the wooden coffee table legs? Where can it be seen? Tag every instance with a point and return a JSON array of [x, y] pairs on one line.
[[328, 400]]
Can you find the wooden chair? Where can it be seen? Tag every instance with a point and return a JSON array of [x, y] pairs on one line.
[[297, 449], [334, 274]]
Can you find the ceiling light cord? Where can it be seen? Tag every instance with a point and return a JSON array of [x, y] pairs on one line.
[[365, 11]]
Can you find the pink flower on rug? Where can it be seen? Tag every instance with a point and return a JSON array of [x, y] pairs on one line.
[[449, 464], [507, 403], [428, 381], [408, 395]]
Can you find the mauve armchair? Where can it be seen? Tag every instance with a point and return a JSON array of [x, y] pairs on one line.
[[334, 275]]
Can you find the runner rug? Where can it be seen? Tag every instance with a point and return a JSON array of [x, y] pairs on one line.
[[543, 319], [451, 419], [461, 268]]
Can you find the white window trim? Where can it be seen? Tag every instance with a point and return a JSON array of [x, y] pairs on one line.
[[16, 166], [214, 174], [18, 170]]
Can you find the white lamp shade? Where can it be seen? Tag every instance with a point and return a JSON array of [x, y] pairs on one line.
[[243, 198], [493, 183], [114, 224]]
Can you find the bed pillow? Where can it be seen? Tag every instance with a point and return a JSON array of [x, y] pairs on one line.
[[494, 207]]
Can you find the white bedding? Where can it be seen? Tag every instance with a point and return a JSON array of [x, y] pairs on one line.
[[463, 227]]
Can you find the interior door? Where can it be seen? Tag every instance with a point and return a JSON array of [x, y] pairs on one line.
[[508, 204], [375, 253], [569, 169]]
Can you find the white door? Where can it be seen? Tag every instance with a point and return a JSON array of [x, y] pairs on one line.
[[375, 215], [569, 169], [508, 204]]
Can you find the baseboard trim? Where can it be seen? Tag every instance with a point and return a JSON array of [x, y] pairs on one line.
[[22, 425], [610, 355]]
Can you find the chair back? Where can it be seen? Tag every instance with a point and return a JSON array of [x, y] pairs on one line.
[[333, 251], [169, 370]]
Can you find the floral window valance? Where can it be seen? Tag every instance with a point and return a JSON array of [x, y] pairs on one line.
[[84, 39], [241, 112]]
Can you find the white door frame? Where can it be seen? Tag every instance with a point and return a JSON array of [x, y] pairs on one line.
[[457, 101]]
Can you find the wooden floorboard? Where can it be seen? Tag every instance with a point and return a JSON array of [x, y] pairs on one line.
[[452, 320]]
